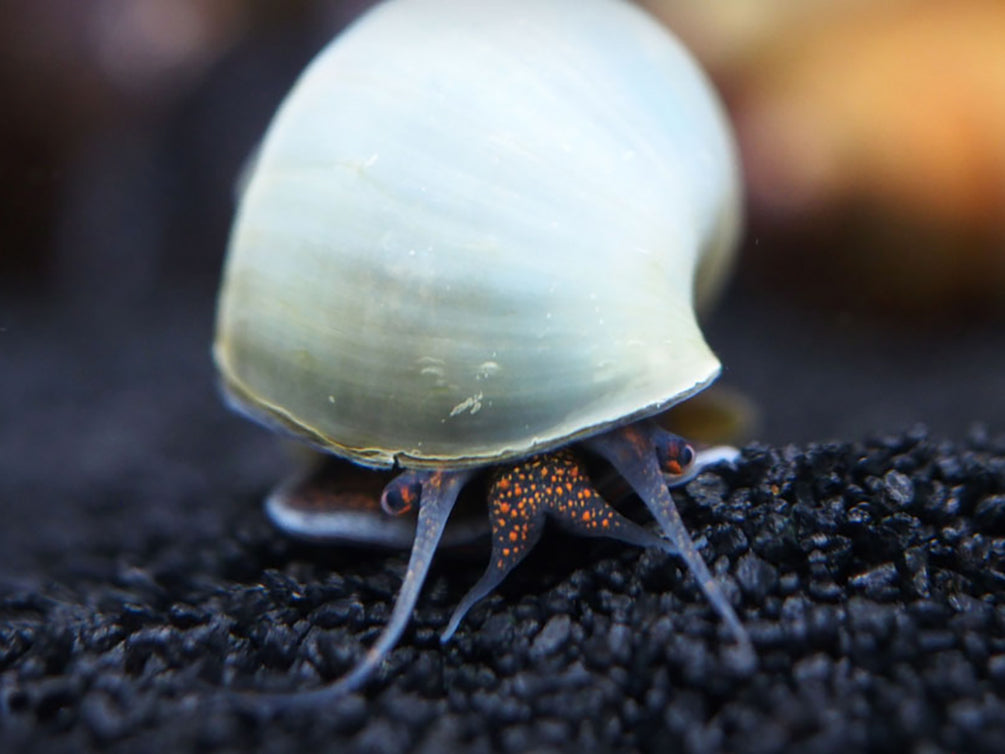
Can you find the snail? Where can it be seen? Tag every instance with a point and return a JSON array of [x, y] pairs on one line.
[[472, 242]]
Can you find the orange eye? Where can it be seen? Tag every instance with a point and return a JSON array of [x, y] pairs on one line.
[[675, 457]]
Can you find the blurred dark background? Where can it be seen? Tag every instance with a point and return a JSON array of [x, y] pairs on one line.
[[869, 296]]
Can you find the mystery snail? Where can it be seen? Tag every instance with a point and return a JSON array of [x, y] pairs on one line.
[[471, 241]]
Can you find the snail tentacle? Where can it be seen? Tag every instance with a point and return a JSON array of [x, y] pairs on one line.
[[632, 450], [435, 492]]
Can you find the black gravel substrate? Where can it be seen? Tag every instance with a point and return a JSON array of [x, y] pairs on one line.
[[139, 579], [870, 576]]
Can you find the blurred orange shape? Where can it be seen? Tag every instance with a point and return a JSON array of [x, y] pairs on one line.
[[904, 106]]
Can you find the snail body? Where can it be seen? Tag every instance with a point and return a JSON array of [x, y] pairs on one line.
[[474, 235]]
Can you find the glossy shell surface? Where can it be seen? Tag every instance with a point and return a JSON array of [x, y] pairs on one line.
[[473, 232]]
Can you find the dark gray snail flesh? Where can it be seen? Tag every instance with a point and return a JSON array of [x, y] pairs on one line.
[[521, 495]]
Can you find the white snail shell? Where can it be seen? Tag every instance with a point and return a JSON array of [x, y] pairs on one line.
[[474, 231]]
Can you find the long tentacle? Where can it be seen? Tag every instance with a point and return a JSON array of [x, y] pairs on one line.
[[631, 450], [437, 492]]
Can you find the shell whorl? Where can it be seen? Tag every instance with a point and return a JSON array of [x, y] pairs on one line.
[[472, 233]]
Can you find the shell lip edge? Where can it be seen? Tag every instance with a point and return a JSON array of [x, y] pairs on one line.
[[245, 402], [404, 460]]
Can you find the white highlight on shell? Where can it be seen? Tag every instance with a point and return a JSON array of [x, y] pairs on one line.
[[472, 404], [486, 369]]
